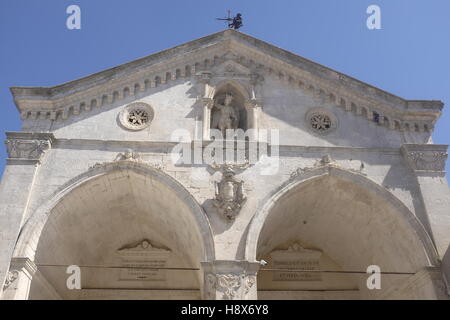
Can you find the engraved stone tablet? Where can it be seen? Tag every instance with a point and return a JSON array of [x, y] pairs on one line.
[[144, 256], [296, 258]]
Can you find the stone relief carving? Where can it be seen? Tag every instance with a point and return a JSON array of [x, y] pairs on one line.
[[10, 278], [250, 281], [229, 197], [427, 160], [128, 155], [142, 247], [26, 149], [210, 286], [229, 286], [326, 162], [321, 121], [136, 116]]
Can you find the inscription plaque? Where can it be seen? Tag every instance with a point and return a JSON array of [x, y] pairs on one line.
[[143, 255], [296, 258]]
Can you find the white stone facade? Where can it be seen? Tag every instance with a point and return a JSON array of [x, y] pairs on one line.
[[354, 180]]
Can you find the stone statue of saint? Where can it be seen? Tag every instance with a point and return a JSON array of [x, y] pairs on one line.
[[226, 115]]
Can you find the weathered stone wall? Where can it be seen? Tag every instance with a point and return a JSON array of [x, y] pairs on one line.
[[402, 171]]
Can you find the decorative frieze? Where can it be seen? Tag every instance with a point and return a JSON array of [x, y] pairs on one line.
[[27, 146], [425, 157]]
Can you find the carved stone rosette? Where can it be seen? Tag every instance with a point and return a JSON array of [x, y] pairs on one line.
[[27, 146], [426, 157]]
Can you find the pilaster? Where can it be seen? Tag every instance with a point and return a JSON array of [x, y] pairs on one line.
[[428, 163], [25, 151]]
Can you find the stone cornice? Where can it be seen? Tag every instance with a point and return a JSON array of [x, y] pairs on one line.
[[204, 54], [23, 264], [167, 146]]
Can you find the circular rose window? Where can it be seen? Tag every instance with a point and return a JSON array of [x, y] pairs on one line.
[[136, 116], [321, 121]]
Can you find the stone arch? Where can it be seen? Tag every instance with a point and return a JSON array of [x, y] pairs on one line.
[[323, 209], [190, 245], [236, 85], [35, 224], [289, 187]]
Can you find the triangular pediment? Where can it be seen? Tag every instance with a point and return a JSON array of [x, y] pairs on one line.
[[231, 68], [226, 53]]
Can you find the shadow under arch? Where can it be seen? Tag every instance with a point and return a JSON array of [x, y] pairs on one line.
[[33, 228], [295, 184], [134, 202]]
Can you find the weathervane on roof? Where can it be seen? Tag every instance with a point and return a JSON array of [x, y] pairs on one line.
[[233, 23]]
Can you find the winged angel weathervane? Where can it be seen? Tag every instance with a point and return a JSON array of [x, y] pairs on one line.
[[233, 23]]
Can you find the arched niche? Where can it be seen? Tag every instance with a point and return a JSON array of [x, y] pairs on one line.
[[243, 102], [351, 221], [236, 101], [116, 215]]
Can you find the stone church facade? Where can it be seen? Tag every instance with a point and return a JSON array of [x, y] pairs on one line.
[[110, 173]]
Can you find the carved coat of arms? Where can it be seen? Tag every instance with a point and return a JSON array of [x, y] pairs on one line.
[[229, 194]]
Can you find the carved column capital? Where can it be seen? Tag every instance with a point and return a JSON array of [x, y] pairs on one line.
[[18, 267], [27, 146], [425, 157], [230, 280], [23, 264]]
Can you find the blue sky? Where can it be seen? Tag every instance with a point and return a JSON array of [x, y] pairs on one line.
[[409, 57]]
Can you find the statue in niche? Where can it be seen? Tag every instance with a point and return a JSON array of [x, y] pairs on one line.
[[226, 115]]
